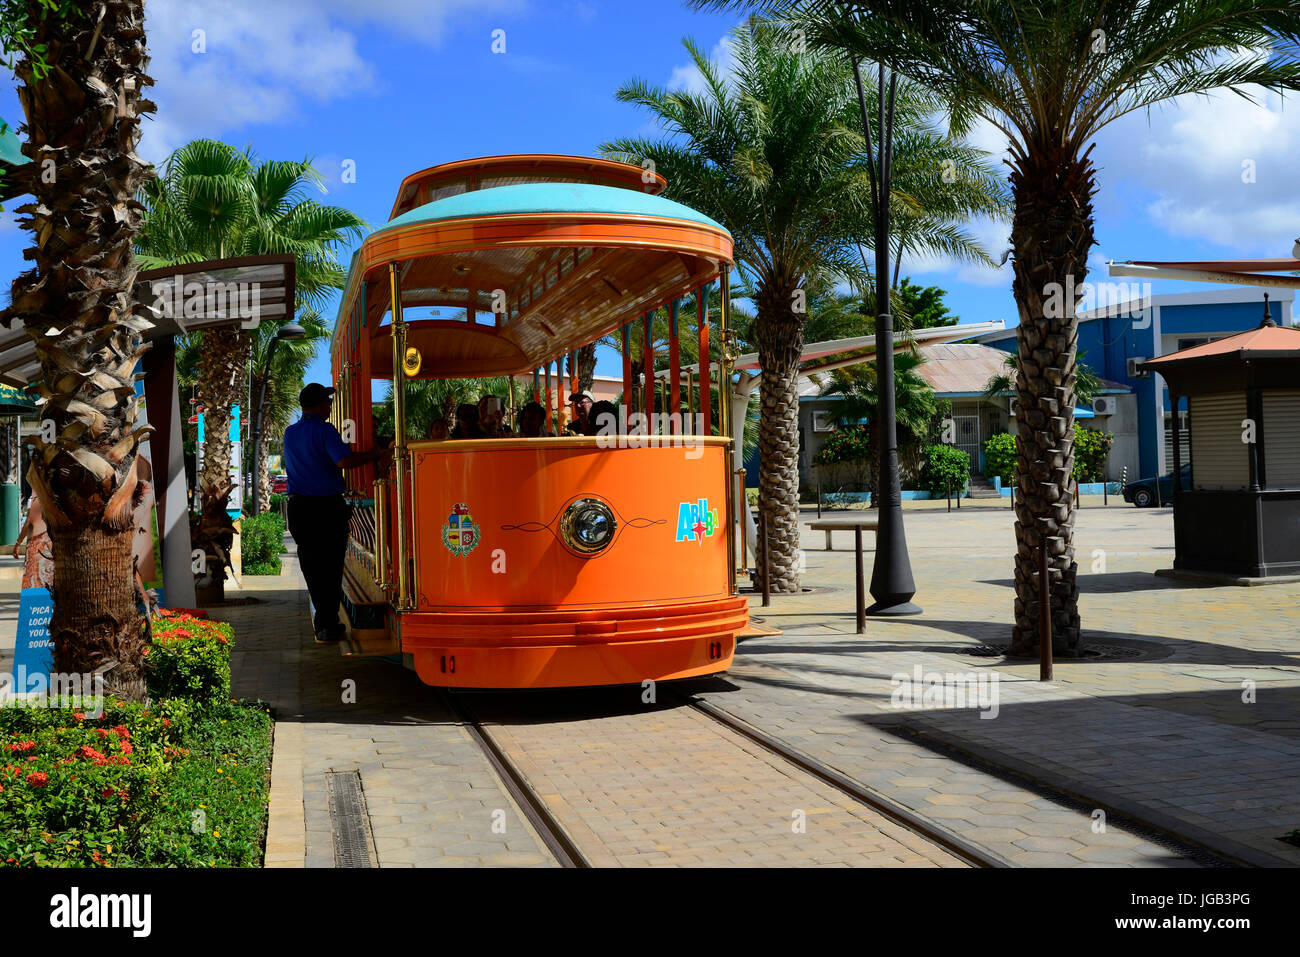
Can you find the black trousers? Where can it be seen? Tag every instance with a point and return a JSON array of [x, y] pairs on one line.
[[319, 526]]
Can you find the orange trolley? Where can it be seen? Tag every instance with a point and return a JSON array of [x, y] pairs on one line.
[[543, 562]]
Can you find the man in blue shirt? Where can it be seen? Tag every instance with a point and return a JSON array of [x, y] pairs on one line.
[[315, 456]]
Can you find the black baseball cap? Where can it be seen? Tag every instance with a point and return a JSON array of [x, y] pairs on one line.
[[314, 394]]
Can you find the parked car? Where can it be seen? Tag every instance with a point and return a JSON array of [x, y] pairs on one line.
[[1142, 492], [279, 485]]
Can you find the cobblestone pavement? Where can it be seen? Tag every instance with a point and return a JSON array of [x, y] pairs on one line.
[[431, 794], [636, 785], [1197, 736]]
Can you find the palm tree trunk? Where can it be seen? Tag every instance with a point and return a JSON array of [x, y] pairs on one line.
[[1051, 233], [586, 366], [779, 331], [222, 361], [77, 305], [263, 465]]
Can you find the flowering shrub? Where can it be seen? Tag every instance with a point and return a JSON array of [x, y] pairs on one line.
[[189, 657], [75, 789]]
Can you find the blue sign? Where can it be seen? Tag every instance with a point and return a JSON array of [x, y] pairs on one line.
[[33, 650]]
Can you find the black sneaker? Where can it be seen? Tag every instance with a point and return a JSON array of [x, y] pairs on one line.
[[330, 636]]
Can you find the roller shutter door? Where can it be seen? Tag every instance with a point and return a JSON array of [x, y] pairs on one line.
[[1222, 459], [1282, 438]]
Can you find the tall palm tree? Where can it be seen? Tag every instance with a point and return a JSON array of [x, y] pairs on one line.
[[80, 85], [284, 380], [775, 153], [214, 201], [1051, 75]]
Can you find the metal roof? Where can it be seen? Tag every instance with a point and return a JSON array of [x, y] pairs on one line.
[[527, 198], [1264, 341]]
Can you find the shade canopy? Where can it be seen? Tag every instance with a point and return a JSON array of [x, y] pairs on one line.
[[241, 291], [1247, 272]]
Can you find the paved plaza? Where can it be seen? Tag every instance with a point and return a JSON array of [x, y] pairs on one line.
[[1179, 747]]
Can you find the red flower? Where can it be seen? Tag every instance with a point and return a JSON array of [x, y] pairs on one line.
[[80, 715], [109, 792], [94, 855], [166, 723], [121, 731], [126, 747], [38, 780], [103, 733], [22, 747]]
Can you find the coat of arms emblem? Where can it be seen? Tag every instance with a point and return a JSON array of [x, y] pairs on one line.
[[460, 534]]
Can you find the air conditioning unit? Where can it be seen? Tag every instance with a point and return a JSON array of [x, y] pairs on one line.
[[1133, 372], [1103, 405]]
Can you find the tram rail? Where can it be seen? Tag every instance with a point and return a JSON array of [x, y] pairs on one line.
[[568, 854], [529, 802]]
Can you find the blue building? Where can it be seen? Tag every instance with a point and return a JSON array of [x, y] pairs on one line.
[[1114, 338]]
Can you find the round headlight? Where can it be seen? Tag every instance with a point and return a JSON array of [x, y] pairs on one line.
[[588, 526]]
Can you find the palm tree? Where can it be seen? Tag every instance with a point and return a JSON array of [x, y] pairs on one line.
[[428, 400], [82, 109], [289, 362], [1050, 76], [775, 153], [914, 403], [214, 201]]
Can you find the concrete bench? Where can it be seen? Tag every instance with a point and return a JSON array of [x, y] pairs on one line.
[[828, 525]]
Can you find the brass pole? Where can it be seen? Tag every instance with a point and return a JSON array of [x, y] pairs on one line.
[[744, 525], [399, 445], [381, 542], [690, 399]]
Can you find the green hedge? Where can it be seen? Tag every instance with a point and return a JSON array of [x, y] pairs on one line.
[[261, 541], [189, 657]]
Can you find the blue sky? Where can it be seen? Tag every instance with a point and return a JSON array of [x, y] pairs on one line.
[[399, 85]]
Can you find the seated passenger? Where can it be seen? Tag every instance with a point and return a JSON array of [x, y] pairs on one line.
[[604, 417], [466, 422], [532, 421], [581, 423], [490, 415], [438, 429]]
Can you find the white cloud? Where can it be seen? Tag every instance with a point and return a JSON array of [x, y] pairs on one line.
[[265, 57], [1219, 169], [687, 76]]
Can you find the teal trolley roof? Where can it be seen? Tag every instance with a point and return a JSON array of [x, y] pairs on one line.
[[552, 198]]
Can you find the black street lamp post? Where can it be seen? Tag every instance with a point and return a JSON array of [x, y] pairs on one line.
[[892, 586], [286, 333]]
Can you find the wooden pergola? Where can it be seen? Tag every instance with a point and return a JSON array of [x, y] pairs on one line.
[[178, 300]]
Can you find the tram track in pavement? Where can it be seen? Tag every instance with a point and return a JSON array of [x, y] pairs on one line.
[[790, 763], [530, 803]]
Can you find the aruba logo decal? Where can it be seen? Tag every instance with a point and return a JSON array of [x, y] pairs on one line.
[[696, 521], [460, 534]]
